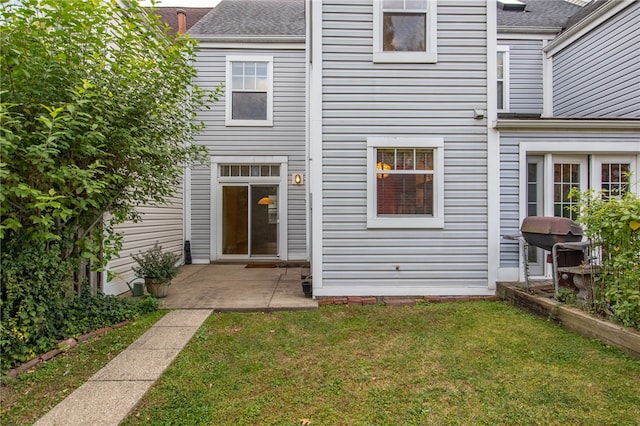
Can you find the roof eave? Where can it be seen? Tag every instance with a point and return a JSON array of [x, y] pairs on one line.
[[581, 124], [528, 30], [585, 25], [247, 39]]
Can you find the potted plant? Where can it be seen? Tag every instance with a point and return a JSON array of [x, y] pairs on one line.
[[157, 268]]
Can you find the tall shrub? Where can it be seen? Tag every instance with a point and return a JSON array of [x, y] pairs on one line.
[[97, 116], [613, 225]]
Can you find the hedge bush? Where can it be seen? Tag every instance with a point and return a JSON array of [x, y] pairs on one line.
[[613, 225], [38, 308]]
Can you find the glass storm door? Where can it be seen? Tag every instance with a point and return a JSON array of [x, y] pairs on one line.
[[250, 220]]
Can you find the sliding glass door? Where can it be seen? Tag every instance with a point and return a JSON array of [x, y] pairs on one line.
[[250, 220]]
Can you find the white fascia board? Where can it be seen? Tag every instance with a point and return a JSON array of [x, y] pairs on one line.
[[587, 125], [520, 35], [549, 32], [586, 25], [250, 45], [493, 149]]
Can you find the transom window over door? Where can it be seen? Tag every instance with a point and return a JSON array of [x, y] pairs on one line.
[[249, 96], [405, 31]]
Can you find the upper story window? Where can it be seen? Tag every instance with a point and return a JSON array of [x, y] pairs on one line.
[[405, 31], [503, 78], [249, 94], [405, 182]]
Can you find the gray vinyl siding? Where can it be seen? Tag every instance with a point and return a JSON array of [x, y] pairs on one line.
[[599, 76], [525, 75], [361, 99], [285, 138], [509, 176], [162, 224]]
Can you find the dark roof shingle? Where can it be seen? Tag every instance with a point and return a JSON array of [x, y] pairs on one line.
[[538, 14], [253, 18]]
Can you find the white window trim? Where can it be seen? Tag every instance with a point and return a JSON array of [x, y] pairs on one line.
[[506, 86], [431, 37], [228, 109], [435, 222]]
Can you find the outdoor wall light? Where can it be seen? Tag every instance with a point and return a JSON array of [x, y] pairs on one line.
[[297, 179]]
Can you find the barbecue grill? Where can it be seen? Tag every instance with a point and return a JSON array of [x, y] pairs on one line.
[[545, 232], [555, 234]]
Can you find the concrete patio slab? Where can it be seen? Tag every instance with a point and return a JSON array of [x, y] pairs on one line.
[[237, 288]]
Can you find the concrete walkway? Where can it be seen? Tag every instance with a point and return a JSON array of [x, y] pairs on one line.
[[108, 396], [111, 393]]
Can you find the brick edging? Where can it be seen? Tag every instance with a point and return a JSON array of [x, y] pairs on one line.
[[61, 347], [399, 301]]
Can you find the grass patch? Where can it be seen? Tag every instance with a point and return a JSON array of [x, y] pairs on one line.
[[31, 395], [464, 363]]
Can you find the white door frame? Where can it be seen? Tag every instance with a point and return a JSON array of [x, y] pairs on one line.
[[216, 199], [572, 151]]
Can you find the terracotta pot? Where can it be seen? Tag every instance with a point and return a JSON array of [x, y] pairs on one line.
[[157, 287]]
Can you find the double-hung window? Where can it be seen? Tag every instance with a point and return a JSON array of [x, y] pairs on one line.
[[503, 78], [405, 180], [249, 91], [405, 31]]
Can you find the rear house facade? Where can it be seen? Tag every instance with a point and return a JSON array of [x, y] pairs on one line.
[[250, 202], [399, 148], [393, 144]]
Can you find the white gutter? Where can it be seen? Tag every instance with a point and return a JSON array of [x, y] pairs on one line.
[[630, 125], [248, 39]]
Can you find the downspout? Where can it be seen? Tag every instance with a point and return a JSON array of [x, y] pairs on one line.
[[493, 150], [186, 185]]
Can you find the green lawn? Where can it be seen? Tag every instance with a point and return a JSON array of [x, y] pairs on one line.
[[462, 363], [31, 395]]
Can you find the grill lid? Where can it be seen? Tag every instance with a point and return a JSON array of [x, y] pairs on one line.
[[549, 225]]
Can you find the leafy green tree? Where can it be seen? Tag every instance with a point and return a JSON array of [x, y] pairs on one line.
[[97, 116]]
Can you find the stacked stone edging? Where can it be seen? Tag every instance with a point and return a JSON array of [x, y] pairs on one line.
[[61, 347]]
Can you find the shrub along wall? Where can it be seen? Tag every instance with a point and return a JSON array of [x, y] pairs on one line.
[[38, 308], [613, 225]]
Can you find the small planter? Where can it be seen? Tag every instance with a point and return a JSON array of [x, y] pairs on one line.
[[157, 287], [157, 268]]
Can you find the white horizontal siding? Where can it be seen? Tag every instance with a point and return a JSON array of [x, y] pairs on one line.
[[162, 224], [599, 75], [362, 99], [285, 138], [525, 75]]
